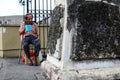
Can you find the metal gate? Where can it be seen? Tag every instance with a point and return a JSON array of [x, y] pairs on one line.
[[41, 10]]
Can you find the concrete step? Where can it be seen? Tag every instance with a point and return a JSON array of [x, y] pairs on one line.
[[54, 73]]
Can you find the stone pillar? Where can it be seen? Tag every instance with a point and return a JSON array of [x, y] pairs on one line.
[[83, 36]]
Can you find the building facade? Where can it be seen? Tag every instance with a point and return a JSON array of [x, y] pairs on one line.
[[11, 20]]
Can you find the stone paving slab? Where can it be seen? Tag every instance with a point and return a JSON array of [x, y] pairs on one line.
[[11, 70], [2, 69]]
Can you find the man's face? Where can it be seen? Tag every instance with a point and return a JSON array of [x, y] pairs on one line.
[[29, 19]]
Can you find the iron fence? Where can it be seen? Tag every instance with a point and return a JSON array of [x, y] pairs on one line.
[[41, 10]]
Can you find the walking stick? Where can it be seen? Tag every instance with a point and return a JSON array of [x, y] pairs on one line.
[[20, 51]]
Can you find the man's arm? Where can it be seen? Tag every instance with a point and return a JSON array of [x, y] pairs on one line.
[[38, 34], [22, 29]]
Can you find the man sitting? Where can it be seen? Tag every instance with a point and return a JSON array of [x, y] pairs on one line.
[[30, 35]]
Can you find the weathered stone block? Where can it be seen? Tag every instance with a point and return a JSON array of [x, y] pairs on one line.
[[96, 30], [55, 29]]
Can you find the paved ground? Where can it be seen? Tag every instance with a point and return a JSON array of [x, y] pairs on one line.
[[11, 70]]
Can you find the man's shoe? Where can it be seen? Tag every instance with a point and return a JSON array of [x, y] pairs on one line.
[[36, 64], [31, 63]]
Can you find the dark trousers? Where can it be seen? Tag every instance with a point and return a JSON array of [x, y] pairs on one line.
[[31, 40]]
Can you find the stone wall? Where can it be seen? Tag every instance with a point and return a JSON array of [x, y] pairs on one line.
[[10, 40]]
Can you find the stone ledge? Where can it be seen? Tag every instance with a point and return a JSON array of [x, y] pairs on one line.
[[54, 73]]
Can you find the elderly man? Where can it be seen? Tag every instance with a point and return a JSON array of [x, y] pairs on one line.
[[30, 35]]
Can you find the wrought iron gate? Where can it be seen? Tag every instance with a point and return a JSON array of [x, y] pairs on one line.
[[41, 10]]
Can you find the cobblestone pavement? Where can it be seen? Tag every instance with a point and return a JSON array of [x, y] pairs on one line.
[[11, 70]]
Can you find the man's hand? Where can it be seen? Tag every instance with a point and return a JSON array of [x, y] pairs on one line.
[[22, 33], [38, 37]]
